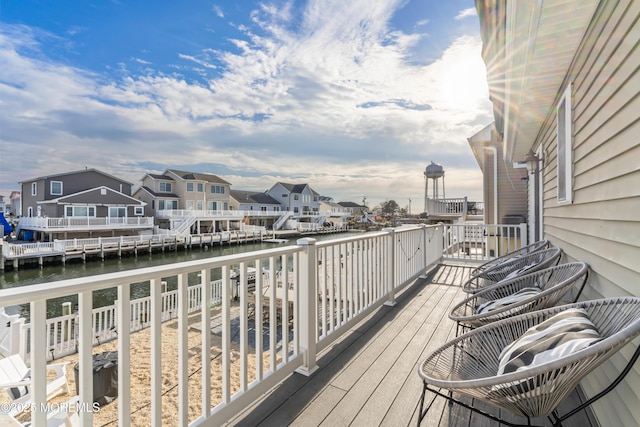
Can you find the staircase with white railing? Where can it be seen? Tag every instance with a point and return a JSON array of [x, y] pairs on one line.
[[184, 229], [282, 220]]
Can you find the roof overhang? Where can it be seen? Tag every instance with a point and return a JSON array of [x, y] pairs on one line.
[[480, 140], [528, 48]]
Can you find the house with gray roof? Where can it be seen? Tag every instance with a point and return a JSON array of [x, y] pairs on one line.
[[259, 208], [84, 203], [300, 201], [189, 202]]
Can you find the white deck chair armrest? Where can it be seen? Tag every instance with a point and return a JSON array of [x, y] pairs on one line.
[[22, 383]]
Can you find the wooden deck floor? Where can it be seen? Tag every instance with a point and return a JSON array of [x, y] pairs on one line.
[[370, 377]]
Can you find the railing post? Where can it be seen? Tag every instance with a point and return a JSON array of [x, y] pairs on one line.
[[524, 236], [38, 361], [425, 245], [307, 311], [391, 267]]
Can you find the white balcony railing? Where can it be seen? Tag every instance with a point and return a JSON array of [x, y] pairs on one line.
[[215, 214], [328, 287], [482, 242], [82, 223]]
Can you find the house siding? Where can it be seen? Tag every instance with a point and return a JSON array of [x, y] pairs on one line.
[[602, 224], [73, 182]]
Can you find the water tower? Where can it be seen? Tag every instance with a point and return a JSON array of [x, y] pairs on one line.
[[433, 171]]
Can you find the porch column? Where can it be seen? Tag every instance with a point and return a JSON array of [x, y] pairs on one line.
[[307, 305], [391, 267]]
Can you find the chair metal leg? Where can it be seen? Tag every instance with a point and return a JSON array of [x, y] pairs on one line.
[[611, 386]]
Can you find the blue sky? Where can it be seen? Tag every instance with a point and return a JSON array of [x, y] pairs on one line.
[[354, 98]]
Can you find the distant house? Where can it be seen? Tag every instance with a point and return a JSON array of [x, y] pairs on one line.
[[300, 199], [81, 203], [258, 208], [182, 190], [333, 211], [357, 211], [188, 202], [157, 191], [15, 207], [564, 79]]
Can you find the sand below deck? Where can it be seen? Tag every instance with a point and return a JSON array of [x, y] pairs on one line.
[[141, 374]]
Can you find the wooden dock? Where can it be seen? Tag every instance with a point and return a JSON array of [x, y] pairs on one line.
[[16, 255], [370, 377]]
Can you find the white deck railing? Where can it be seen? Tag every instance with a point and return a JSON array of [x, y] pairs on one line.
[[329, 287], [88, 223], [482, 242], [215, 214]]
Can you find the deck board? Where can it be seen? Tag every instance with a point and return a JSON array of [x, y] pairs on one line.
[[369, 377]]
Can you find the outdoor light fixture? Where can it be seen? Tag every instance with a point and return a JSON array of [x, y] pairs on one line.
[[532, 162]]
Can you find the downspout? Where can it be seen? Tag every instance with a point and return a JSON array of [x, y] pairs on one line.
[[495, 182], [494, 150]]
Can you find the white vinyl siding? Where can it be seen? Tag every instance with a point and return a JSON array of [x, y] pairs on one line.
[[601, 225]]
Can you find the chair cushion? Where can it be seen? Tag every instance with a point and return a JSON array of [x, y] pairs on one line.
[[560, 335], [18, 392], [500, 303]]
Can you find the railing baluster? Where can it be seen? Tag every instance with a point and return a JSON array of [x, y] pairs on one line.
[[38, 314], [205, 320], [272, 314], [124, 356], [243, 326], [226, 335], [157, 305], [183, 350], [258, 320], [85, 359]]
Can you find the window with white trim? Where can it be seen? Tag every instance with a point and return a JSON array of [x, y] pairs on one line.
[[138, 210], [117, 212], [200, 187], [56, 188], [34, 188], [80, 211], [564, 126], [190, 186], [164, 187]]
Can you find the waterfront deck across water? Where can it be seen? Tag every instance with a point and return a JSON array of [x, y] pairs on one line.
[[370, 376]]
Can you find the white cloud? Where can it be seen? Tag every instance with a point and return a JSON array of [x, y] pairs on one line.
[[465, 13], [337, 102]]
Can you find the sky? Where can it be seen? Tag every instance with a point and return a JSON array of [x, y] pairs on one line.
[[353, 97]]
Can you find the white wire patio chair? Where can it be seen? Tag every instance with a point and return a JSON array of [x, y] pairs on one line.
[[529, 292], [511, 268], [533, 247], [469, 364]]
